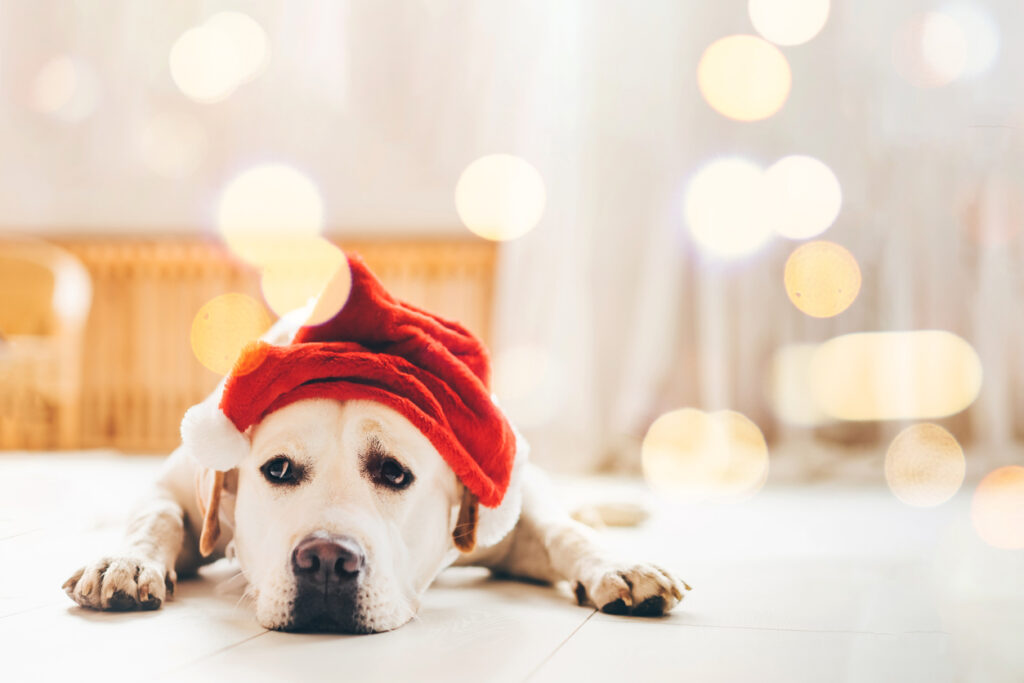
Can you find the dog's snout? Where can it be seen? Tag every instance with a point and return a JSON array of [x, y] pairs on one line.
[[325, 558], [328, 570]]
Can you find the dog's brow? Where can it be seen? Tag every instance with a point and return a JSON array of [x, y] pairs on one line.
[[372, 428], [373, 446], [286, 443]]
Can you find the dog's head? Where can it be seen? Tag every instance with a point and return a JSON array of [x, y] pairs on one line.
[[344, 514], [347, 442]]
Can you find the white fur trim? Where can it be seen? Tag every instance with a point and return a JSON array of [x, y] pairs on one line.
[[211, 438], [493, 524]]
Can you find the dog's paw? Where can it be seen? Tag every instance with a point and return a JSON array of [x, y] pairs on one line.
[[641, 590], [120, 584]]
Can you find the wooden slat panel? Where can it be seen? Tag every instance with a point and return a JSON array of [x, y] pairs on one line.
[[139, 374]]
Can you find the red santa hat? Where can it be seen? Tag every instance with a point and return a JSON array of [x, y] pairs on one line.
[[432, 371]]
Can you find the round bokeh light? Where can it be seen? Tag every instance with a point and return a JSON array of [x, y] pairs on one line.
[[265, 208], [822, 279], [66, 88], [788, 22], [500, 197], [248, 40], [997, 508], [705, 456], [924, 465], [208, 62], [224, 326], [981, 33], [300, 273], [804, 194], [203, 65], [725, 208], [930, 50], [744, 77]]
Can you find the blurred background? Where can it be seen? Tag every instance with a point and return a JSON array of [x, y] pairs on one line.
[[716, 243]]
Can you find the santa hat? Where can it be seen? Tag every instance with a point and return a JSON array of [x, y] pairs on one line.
[[432, 371]]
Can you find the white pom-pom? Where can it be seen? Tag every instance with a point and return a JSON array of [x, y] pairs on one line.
[[211, 438], [493, 524]]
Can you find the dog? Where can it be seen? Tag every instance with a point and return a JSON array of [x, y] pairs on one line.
[[341, 512]]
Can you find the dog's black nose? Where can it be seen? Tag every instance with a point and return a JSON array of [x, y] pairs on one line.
[[325, 558]]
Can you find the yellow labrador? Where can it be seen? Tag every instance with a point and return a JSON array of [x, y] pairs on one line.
[[340, 516]]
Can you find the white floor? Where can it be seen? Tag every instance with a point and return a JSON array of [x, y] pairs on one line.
[[820, 584]]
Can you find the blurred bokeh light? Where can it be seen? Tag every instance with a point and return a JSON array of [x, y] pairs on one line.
[[204, 66], [788, 22], [500, 197], [805, 196], [224, 326], [725, 207], [930, 50], [696, 455], [265, 208], [997, 508], [210, 61], [980, 32], [744, 77], [789, 389], [65, 88], [924, 465], [923, 374], [332, 297], [822, 279], [300, 271], [248, 40]]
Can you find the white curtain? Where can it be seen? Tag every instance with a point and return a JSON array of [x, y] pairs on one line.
[[637, 322]]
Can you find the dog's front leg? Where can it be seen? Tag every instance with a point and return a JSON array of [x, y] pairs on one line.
[[548, 545], [142, 574]]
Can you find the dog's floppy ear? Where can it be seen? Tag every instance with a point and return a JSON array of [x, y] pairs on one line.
[[465, 526], [209, 487]]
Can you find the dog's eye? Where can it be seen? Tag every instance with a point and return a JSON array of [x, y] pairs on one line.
[[280, 470], [393, 474]]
